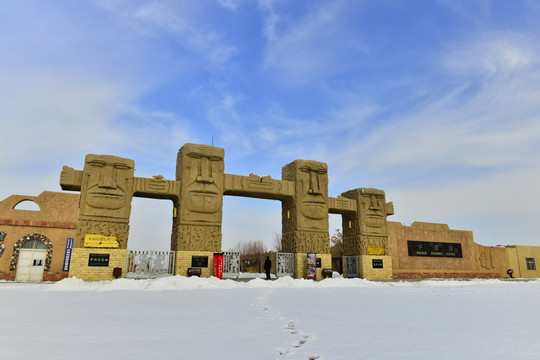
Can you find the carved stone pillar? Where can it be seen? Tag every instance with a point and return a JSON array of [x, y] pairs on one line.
[[197, 224], [366, 232], [305, 215], [106, 185]]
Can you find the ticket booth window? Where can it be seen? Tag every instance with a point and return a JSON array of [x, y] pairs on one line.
[[530, 264]]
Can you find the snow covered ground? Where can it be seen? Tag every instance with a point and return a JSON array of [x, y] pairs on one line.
[[192, 318]]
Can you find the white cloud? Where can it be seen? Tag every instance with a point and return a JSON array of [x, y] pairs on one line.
[[490, 54], [184, 21], [307, 48], [470, 154]]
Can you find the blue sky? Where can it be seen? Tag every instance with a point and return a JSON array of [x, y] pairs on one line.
[[435, 102]]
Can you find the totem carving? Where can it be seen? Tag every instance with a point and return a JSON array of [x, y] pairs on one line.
[[197, 226], [106, 186], [365, 232], [305, 215]]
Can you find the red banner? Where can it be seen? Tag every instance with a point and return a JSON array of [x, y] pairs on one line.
[[217, 268]]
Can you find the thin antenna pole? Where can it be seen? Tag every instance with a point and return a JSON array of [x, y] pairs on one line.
[[212, 141]]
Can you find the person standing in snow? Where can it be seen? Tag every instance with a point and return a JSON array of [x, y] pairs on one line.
[[267, 267]]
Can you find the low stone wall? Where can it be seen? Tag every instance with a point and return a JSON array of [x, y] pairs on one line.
[[80, 268], [368, 267], [184, 262], [300, 265]]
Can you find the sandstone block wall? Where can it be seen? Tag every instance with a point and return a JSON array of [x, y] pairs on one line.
[[79, 264], [367, 270], [476, 262], [300, 265], [184, 258]]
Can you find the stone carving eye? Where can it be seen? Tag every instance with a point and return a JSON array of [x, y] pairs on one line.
[[97, 163], [195, 155], [122, 167]]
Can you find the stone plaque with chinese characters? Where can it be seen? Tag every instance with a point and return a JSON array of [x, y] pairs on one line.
[[434, 249], [98, 260], [199, 261]]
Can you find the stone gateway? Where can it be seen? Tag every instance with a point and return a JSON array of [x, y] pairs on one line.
[[86, 235]]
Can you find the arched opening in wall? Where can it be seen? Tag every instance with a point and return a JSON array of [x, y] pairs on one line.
[[31, 257], [27, 205], [150, 224], [250, 221], [335, 227]]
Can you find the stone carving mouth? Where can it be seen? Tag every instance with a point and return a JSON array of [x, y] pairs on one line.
[[374, 214], [318, 202], [204, 192], [106, 194]]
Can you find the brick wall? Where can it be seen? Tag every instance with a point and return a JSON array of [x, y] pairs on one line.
[[79, 264], [367, 271], [183, 262], [300, 265]]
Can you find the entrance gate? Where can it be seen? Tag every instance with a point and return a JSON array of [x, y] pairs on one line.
[[284, 264], [31, 265], [231, 265], [149, 264]]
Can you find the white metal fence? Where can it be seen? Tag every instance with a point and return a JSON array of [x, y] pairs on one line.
[[149, 264], [284, 264], [231, 265]]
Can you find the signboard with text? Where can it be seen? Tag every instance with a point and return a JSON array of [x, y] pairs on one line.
[[67, 254], [434, 249], [217, 268], [199, 261], [98, 260], [100, 241]]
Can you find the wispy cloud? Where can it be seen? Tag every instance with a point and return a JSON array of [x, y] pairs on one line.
[[306, 48], [182, 20]]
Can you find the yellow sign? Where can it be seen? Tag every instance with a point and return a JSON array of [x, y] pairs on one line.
[[94, 240], [375, 249]]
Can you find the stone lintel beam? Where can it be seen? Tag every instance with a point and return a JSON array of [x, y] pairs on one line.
[[258, 187], [341, 205], [157, 187], [70, 179]]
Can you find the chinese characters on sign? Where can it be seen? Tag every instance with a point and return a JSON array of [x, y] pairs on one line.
[[95, 240], [199, 261], [67, 255], [98, 260], [434, 249]]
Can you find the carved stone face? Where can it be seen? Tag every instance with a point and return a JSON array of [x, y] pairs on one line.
[[373, 207], [107, 185], [312, 177], [202, 177]]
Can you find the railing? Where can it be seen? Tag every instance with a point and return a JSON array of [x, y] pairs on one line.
[[284, 264], [149, 264], [231, 265]]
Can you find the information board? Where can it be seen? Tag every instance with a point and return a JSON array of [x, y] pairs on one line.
[[100, 241]]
